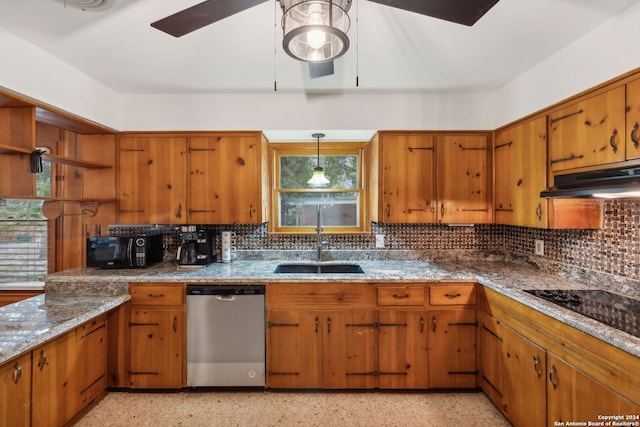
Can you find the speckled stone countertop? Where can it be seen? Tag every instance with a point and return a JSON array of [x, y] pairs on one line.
[[34, 321], [505, 276]]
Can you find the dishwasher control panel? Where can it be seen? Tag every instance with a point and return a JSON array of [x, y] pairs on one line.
[[211, 289]]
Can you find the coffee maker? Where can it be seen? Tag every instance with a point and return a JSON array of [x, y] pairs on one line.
[[196, 246]]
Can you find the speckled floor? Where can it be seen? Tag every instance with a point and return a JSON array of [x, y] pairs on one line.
[[257, 408]]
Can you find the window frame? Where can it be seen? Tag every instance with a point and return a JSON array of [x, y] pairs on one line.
[[359, 149]]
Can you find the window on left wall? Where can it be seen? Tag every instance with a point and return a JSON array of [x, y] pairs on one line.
[[23, 235]]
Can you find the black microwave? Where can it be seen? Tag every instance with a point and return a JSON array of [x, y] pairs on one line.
[[124, 252]]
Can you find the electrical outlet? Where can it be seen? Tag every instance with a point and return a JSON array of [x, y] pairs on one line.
[[379, 240], [539, 247]]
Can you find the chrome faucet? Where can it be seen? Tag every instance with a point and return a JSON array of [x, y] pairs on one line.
[[319, 242]]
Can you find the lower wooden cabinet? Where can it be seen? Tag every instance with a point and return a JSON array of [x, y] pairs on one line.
[[524, 396], [341, 336], [68, 373], [157, 330], [574, 396], [525, 372], [15, 392]]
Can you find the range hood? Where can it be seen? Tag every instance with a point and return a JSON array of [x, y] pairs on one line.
[[620, 182]]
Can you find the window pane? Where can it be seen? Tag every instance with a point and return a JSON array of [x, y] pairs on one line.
[[336, 209], [296, 170], [23, 241]]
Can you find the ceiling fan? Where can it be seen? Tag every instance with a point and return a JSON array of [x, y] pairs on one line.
[[315, 30]]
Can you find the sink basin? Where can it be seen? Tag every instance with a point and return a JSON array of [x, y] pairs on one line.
[[318, 268]]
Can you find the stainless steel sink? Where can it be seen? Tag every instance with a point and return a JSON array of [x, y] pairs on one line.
[[318, 268]]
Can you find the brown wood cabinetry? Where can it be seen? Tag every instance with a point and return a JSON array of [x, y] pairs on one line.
[[429, 177], [157, 336], [407, 169], [588, 132], [68, 373], [228, 179], [152, 180], [524, 396], [574, 396], [520, 174], [365, 336], [15, 391], [548, 371], [17, 141], [633, 120], [464, 179], [9, 297]]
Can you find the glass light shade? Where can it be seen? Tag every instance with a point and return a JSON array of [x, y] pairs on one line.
[[315, 30], [318, 179]]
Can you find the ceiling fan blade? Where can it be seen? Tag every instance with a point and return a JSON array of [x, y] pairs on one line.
[[320, 69], [201, 15], [466, 12]]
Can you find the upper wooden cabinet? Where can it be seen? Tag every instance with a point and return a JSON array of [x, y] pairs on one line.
[[429, 177], [152, 180], [520, 156], [633, 119], [407, 167], [17, 141], [227, 179], [588, 132], [520, 174], [464, 179]]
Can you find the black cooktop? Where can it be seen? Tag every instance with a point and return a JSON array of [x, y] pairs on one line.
[[622, 313]]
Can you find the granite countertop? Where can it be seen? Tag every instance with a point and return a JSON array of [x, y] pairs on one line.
[[34, 321], [507, 277]]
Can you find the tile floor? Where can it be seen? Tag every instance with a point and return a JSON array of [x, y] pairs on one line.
[[259, 408]]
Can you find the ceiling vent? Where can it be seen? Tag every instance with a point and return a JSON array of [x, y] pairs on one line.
[[88, 5]]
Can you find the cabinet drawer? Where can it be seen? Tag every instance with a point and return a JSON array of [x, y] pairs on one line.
[[401, 295], [144, 294], [452, 294]]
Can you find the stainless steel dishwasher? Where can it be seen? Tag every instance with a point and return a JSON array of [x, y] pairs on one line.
[[225, 336]]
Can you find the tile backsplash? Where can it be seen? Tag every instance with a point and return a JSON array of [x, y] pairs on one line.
[[613, 249]]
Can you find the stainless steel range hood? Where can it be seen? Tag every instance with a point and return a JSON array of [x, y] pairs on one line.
[[620, 182]]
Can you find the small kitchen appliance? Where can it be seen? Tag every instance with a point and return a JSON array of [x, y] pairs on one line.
[[124, 252], [196, 248]]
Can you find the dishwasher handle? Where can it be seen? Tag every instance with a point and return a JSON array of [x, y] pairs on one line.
[[226, 298]]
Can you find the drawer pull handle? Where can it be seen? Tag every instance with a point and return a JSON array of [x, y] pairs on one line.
[[539, 212], [396, 296], [421, 324], [433, 324], [17, 373], [537, 365], [612, 141], [452, 296], [156, 295], [553, 377], [634, 135], [43, 360]]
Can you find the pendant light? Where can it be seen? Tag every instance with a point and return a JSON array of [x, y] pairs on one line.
[[315, 30], [318, 179]]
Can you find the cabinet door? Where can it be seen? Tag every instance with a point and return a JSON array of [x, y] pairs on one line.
[[225, 180], [152, 180], [574, 396], [452, 348], [294, 349], [408, 178], [92, 360], [633, 120], [523, 380], [589, 132], [463, 180], [157, 348], [349, 349], [17, 129], [53, 382], [15, 392], [491, 365], [402, 349], [520, 156]]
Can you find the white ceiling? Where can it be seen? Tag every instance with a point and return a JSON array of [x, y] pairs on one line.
[[391, 50]]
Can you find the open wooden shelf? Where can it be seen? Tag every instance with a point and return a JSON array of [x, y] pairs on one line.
[[69, 161]]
